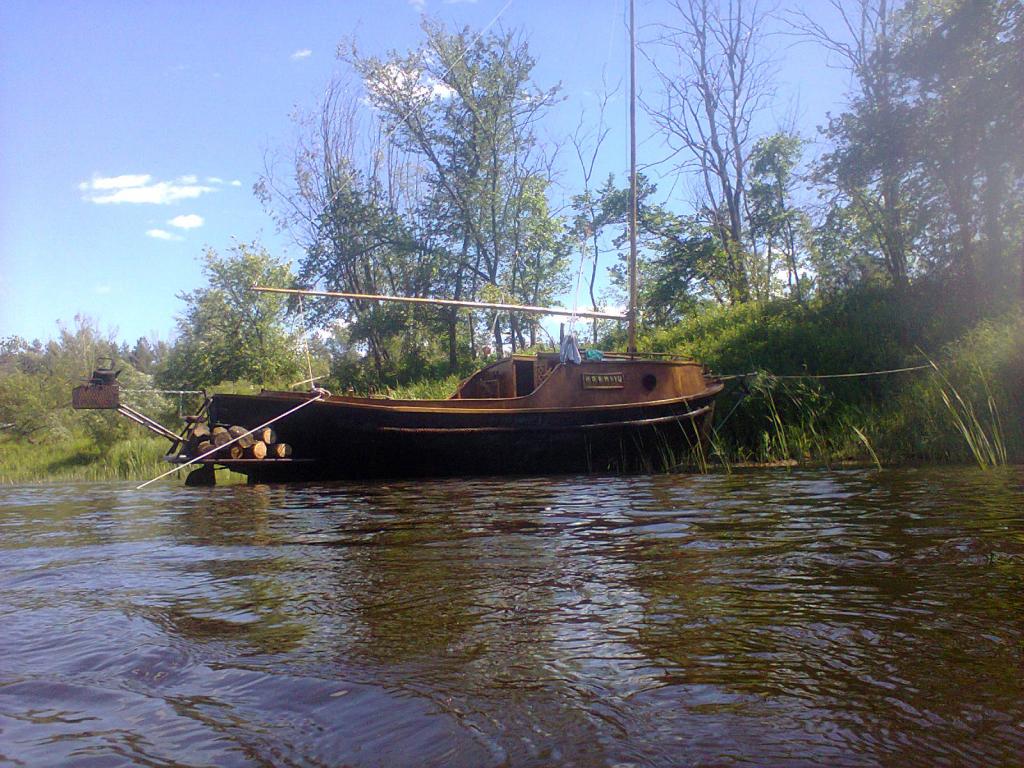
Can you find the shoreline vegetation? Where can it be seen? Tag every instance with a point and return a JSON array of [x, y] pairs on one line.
[[965, 407]]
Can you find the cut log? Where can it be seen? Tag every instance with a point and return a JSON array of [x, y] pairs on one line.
[[243, 438], [203, 447], [267, 435], [200, 431], [219, 436], [279, 451], [257, 450], [236, 451]]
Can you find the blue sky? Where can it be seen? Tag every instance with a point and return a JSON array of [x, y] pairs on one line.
[[132, 132]]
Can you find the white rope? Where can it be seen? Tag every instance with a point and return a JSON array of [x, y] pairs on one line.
[[584, 257], [825, 375], [321, 393], [305, 381]]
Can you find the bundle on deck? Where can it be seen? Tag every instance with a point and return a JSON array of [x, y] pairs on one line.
[[259, 444]]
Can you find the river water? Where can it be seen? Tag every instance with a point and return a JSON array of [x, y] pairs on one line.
[[761, 618]]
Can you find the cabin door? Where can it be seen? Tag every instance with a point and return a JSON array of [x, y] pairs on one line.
[[524, 377]]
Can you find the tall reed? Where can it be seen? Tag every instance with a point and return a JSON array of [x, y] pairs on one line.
[[983, 434]]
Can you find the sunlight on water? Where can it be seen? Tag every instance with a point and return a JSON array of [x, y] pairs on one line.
[[810, 617]]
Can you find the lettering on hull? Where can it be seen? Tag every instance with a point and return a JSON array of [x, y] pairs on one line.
[[602, 381]]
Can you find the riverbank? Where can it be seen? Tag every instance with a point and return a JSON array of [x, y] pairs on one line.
[[947, 389], [80, 457]]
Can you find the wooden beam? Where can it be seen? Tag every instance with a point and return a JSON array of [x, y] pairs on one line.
[[525, 308]]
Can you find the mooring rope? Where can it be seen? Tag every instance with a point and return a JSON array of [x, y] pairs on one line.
[[320, 394], [824, 375]]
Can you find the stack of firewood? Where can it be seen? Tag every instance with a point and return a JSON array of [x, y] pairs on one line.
[[259, 444]]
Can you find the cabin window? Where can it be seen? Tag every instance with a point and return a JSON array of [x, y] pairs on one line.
[[649, 381]]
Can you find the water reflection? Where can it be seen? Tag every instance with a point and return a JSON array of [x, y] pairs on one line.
[[848, 618]]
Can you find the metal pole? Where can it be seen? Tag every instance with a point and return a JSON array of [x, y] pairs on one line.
[[631, 315]]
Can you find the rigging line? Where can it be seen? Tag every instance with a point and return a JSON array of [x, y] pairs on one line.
[[584, 256], [305, 340], [319, 396]]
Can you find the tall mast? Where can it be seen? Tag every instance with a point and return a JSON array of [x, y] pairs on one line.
[[631, 345]]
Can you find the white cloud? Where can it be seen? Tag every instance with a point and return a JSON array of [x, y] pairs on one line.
[[302, 53], [214, 180], [413, 80], [187, 221], [419, 5], [101, 289], [116, 182], [236, 183], [141, 189], [439, 90], [162, 234]]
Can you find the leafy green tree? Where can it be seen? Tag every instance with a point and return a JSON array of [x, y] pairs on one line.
[[465, 105], [868, 167], [775, 221], [355, 203], [36, 381], [714, 79], [230, 333], [964, 64]]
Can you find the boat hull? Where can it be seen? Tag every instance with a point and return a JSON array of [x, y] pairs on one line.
[[343, 438]]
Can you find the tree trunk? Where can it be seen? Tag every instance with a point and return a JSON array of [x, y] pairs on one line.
[[453, 341]]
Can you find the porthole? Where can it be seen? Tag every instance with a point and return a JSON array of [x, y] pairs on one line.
[[650, 381]]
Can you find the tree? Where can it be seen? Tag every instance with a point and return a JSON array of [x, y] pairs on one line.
[[355, 203], [593, 209], [868, 166], [465, 105], [716, 84], [230, 333], [775, 222], [963, 63]]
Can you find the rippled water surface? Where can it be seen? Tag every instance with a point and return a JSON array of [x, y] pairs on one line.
[[767, 618]]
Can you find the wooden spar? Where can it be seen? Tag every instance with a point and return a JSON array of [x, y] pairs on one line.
[[631, 313], [445, 302]]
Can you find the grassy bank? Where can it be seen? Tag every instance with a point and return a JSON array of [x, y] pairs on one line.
[[965, 406], [81, 458]]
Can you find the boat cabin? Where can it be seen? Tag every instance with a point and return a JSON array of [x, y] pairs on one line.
[[543, 381]]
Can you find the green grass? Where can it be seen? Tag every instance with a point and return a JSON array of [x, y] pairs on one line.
[[81, 458], [969, 408], [428, 389]]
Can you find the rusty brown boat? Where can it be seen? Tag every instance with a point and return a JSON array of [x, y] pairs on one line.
[[519, 415]]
